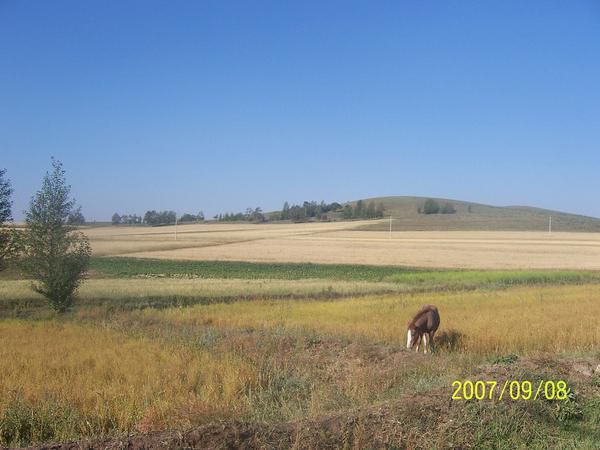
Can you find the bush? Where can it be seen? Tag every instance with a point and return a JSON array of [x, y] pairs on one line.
[[431, 207], [448, 208]]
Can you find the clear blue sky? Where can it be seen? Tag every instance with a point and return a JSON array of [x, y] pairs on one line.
[[221, 105]]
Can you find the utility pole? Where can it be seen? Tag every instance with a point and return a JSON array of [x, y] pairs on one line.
[[175, 226], [549, 224], [390, 226]]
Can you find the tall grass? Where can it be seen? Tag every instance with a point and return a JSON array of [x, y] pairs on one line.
[[96, 381], [521, 320]]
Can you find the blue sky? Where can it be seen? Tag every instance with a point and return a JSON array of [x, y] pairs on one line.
[[221, 105]]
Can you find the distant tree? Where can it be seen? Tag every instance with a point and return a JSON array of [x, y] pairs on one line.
[[380, 210], [159, 218], [469, 209], [431, 207], [297, 213], [285, 212], [76, 217], [55, 255], [200, 216], [359, 210], [371, 210], [447, 208], [257, 215], [8, 237], [187, 218], [116, 219], [348, 212]]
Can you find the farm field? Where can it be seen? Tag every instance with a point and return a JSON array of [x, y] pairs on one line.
[[344, 243], [271, 331], [220, 354]]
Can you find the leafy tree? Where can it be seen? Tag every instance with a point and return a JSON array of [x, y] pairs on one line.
[[8, 241], [187, 218], [379, 210], [76, 217], [116, 219], [447, 208], [348, 212], [371, 210], [359, 211], [285, 212], [431, 207], [55, 255]]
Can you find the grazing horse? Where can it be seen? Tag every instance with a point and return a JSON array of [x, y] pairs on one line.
[[423, 327]]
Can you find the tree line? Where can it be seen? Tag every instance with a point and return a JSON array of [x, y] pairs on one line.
[[251, 215], [155, 218], [431, 206], [306, 211], [362, 211]]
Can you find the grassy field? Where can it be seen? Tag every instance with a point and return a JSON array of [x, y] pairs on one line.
[[156, 345], [226, 332]]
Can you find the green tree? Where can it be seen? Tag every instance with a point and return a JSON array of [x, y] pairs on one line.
[[348, 212], [431, 207], [371, 209], [379, 210], [447, 208], [55, 255], [8, 240], [359, 210], [285, 212], [76, 217]]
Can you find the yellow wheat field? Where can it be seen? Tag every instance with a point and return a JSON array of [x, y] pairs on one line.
[[518, 320], [111, 381], [338, 243]]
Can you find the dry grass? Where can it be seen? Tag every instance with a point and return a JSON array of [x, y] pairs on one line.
[[264, 360], [109, 382], [337, 243], [133, 239], [522, 320], [140, 288]]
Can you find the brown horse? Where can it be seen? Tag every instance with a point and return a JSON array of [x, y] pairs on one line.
[[423, 327]]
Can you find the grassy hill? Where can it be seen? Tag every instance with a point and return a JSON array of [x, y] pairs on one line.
[[471, 216]]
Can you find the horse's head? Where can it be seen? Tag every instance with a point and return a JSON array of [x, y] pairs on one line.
[[412, 337]]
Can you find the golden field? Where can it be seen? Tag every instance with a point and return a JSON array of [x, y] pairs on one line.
[[522, 320], [169, 345], [104, 380], [95, 372], [338, 243]]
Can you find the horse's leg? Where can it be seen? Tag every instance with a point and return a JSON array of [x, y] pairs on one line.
[[431, 335], [418, 344], [425, 342]]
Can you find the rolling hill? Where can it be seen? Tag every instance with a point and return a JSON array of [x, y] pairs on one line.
[[471, 216]]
